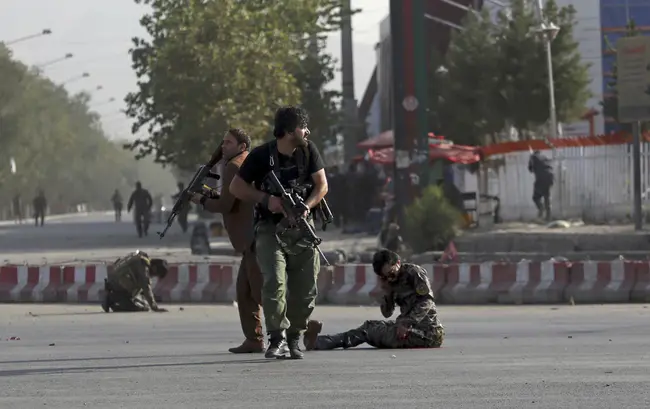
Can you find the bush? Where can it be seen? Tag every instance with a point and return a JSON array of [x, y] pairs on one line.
[[431, 221]]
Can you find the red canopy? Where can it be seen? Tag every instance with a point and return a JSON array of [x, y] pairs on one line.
[[453, 153], [387, 140], [383, 140]]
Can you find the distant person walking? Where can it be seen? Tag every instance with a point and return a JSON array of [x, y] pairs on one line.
[[141, 202], [117, 205], [40, 205], [541, 167], [17, 205]]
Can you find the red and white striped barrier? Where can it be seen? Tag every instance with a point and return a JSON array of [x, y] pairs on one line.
[[29, 284], [356, 284], [602, 282]]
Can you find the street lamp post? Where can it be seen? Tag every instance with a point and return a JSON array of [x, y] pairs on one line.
[[549, 32], [44, 32], [48, 63], [76, 78]]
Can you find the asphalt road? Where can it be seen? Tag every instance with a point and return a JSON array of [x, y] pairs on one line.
[[93, 237], [96, 237], [591, 357]]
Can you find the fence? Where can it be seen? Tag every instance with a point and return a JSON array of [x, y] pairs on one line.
[[591, 183]]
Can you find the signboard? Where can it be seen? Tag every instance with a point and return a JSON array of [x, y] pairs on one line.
[[633, 85], [410, 103]]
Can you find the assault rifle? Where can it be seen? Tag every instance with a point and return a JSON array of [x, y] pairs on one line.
[[294, 207], [196, 185]]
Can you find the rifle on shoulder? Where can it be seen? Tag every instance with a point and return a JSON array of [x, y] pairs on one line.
[[196, 185], [294, 207]]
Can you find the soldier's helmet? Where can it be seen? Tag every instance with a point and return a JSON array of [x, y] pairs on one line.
[[159, 267]]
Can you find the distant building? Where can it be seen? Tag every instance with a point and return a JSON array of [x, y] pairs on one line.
[[442, 16]]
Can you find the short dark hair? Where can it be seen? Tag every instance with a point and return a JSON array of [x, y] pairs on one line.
[[241, 137], [159, 267], [287, 119], [383, 257]]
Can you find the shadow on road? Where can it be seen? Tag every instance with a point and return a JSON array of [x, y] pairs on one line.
[[112, 358], [82, 369]]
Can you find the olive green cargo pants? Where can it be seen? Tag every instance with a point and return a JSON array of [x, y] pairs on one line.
[[289, 291]]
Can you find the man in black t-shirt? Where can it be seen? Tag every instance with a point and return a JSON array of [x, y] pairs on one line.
[[287, 264]]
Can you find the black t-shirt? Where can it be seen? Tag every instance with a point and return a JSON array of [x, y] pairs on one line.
[[258, 164]]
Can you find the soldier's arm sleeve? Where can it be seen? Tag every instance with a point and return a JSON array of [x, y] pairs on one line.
[[149, 200], [387, 306], [423, 300], [226, 202], [145, 286], [130, 204]]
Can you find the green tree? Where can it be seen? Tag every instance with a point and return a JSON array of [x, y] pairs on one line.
[[523, 62], [210, 66], [610, 102], [465, 98], [312, 72], [58, 146], [497, 75]]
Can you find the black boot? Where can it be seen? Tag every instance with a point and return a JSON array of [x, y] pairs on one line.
[[106, 303], [277, 345], [345, 340], [293, 342]]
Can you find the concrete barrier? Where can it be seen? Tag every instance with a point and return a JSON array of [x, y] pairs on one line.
[[601, 282], [525, 282]]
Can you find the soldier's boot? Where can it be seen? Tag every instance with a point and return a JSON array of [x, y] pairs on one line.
[[345, 340], [311, 334], [278, 347], [293, 342], [249, 346], [106, 302], [106, 305]]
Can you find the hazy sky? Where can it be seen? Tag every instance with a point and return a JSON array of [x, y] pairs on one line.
[[98, 33]]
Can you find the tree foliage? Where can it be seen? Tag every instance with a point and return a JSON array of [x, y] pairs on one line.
[[497, 75], [210, 66], [431, 221], [57, 145]]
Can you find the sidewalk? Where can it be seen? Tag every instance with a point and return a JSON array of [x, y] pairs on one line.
[[54, 217]]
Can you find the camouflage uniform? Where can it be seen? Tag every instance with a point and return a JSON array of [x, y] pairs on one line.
[[413, 294], [128, 286]]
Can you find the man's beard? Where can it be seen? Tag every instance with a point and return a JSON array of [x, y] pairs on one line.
[[300, 142]]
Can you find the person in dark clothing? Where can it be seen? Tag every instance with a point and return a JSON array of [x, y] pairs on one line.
[[182, 215], [117, 205], [142, 201], [336, 183], [40, 204], [18, 209], [542, 168]]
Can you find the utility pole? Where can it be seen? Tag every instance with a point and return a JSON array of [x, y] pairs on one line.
[[409, 78], [350, 119]]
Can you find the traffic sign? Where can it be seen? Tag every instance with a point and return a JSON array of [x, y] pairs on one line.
[[410, 103], [633, 83]]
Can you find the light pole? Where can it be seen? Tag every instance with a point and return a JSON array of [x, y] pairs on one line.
[[44, 32], [48, 63], [76, 78], [548, 31], [103, 103]]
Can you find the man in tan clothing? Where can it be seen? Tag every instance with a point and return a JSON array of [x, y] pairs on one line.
[[238, 221]]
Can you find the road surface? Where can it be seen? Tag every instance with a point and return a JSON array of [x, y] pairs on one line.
[[93, 237], [591, 357], [96, 237]]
